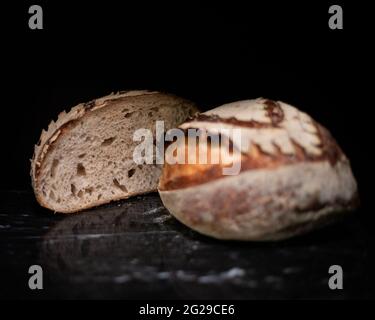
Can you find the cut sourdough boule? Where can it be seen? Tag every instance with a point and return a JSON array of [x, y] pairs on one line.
[[293, 175], [85, 158]]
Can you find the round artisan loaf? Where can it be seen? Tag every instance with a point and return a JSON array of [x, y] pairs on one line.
[[293, 176], [85, 158]]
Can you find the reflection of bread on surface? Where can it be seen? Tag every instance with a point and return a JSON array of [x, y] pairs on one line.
[[106, 232]]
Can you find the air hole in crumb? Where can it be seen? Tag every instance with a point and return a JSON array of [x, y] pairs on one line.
[[81, 155], [87, 139], [131, 173], [81, 171], [120, 186], [150, 114], [73, 189], [108, 141], [99, 196], [55, 163], [155, 109], [124, 110], [80, 194], [89, 190], [128, 115], [52, 195]]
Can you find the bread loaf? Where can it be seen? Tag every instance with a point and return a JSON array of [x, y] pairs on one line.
[[293, 175], [85, 158]]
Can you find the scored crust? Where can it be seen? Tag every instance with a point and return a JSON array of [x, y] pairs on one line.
[[67, 121], [293, 176], [276, 134]]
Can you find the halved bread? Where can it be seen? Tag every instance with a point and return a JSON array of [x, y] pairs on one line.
[[293, 176], [85, 158]]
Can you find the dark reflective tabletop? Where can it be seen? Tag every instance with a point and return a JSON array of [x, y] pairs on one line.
[[135, 250]]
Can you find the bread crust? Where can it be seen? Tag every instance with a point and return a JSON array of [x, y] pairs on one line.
[[278, 193], [265, 204], [65, 121]]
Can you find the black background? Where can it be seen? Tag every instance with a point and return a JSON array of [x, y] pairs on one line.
[[210, 54]]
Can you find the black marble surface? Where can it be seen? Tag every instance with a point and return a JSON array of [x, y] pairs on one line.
[[135, 250]]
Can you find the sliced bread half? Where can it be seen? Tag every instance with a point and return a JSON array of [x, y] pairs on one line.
[[85, 158]]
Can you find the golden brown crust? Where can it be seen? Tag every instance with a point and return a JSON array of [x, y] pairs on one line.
[[273, 109], [179, 176], [293, 176]]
